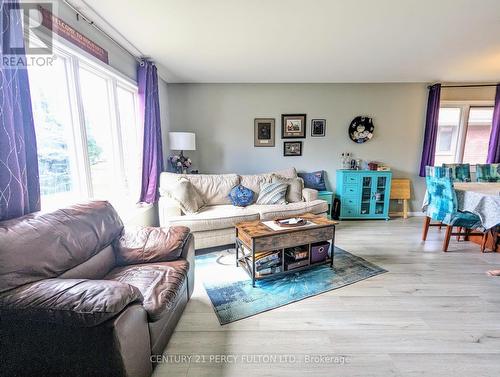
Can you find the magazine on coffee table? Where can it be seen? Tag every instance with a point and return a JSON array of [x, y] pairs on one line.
[[272, 225]]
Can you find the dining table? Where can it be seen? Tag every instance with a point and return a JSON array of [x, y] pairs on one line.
[[480, 198]]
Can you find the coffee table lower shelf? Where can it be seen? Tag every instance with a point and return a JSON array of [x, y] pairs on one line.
[[245, 259]]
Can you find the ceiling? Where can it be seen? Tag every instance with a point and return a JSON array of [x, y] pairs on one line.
[[256, 41]]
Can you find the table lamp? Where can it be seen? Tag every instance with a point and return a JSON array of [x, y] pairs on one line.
[[181, 141]]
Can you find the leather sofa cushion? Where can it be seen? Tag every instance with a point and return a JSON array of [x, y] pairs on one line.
[[271, 212], [44, 245], [160, 284], [95, 268], [74, 302], [213, 188], [150, 244], [215, 217]]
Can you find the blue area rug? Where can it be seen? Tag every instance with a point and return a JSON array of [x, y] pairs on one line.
[[233, 297]]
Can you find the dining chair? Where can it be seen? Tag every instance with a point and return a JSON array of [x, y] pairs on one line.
[[442, 206], [488, 172], [459, 172]]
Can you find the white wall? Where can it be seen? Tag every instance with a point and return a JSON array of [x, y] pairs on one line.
[[222, 115], [118, 58], [127, 65]]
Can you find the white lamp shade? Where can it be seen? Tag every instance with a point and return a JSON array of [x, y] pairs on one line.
[[182, 141]]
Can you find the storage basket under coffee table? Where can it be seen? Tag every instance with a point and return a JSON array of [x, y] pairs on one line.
[[257, 245]]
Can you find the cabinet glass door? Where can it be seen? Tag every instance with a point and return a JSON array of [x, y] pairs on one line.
[[379, 195], [366, 196]]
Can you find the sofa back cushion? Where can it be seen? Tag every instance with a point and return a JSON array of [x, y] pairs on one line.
[[95, 268], [45, 245], [149, 244], [254, 181], [213, 188]]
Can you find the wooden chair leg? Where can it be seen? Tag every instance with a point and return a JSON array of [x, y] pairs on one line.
[[467, 232], [459, 231], [427, 221], [483, 241], [447, 237]]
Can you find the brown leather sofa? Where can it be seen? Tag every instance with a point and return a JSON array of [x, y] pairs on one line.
[[80, 295]]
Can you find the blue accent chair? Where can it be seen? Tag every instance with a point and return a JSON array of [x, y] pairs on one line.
[[459, 172], [488, 172], [442, 207]]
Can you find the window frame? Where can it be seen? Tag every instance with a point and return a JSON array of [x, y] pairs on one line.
[[74, 61], [463, 125]]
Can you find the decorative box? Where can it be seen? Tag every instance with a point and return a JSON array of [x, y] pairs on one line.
[[319, 251], [294, 265]]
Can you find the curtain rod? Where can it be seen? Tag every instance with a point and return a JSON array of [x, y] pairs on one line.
[[466, 86], [91, 23]]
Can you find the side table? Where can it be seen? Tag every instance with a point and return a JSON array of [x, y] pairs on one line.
[[328, 197]]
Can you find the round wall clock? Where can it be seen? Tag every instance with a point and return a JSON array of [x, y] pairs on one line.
[[361, 129]]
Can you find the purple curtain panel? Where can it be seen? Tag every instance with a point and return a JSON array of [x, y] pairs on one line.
[[431, 128], [149, 107], [494, 145], [19, 180]]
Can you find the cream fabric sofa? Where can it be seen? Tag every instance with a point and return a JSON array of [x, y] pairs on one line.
[[214, 224]]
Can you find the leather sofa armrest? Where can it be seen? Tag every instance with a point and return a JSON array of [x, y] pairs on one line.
[[309, 194], [188, 254], [74, 302], [150, 244]]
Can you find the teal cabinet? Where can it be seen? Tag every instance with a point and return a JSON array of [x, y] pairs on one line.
[[364, 194]]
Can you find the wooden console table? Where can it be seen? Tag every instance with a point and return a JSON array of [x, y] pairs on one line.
[[254, 237]]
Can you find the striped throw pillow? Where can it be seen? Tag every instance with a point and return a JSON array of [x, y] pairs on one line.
[[272, 193]]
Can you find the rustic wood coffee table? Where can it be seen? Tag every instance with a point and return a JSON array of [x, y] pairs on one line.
[[254, 237]]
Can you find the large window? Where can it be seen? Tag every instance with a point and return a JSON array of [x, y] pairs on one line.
[[87, 130], [463, 133]]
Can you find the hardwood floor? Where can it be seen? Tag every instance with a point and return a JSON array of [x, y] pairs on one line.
[[432, 314]]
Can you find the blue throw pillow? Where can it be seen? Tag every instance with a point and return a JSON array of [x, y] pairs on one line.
[[241, 196], [314, 180]]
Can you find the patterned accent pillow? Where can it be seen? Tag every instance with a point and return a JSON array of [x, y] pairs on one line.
[[272, 193], [314, 180], [184, 193], [295, 187], [241, 196]]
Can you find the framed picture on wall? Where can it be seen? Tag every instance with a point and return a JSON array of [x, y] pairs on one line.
[[292, 148], [318, 127], [264, 132], [293, 126]]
